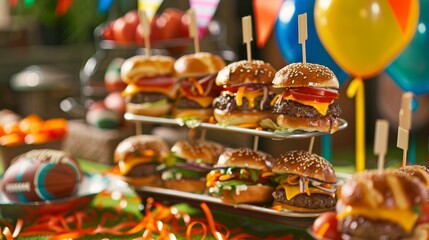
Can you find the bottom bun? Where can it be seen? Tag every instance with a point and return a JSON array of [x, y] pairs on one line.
[[326, 124], [253, 194], [284, 206], [203, 114], [237, 117], [186, 185], [153, 180], [147, 110]]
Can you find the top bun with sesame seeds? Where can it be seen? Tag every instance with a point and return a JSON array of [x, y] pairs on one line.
[[242, 175], [305, 164], [305, 75], [305, 182], [247, 93]]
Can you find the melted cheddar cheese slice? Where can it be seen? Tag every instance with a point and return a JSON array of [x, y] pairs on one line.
[[404, 218], [292, 191], [132, 89], [202, 100], [251, 96], [322, 108]]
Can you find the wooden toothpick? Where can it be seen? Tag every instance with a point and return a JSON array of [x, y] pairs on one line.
[[247, 35], [193, 30], [404, 125], [381, 141], [302, 34], [310, 147], [302, 37], [144, 24]]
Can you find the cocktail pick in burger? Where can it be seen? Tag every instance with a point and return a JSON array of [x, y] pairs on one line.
[[246, 95], [308, 101], [150, 80], [404, 125], [188, 163], [138, 159], [196, 73], [305, 182], [309, 98]]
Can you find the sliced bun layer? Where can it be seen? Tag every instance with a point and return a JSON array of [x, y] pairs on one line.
[[299, 209], [305, 75], [136, 67], [148, 110], [240, 72], [186, 185], [305, 164], [325, 124], [198, 64], [253, 194], [417, 171], [237, 117], [245, 158], [205, 151]]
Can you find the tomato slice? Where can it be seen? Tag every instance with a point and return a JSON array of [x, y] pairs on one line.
[[307, 97], [317, 91], [159, 82]]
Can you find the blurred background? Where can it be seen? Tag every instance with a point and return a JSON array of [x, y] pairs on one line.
[[63, 42]]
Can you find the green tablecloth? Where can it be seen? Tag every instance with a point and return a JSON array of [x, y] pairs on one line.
[[253, 226]]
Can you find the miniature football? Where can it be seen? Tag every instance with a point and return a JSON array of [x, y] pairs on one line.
[[41, 175]]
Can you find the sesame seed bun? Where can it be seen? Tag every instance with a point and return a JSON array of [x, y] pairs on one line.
[[137, 67], [383, 189], [305, 75], [138, 144], [238, 117], [305, 164], [309, 124], [205, 151], [421, 173], [186, 185], [197, 64], [255, 71], [245, 158]]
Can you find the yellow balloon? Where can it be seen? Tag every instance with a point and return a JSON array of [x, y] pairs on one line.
[[364, 36]]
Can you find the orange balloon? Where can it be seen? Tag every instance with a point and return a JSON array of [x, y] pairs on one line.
[[364, 36]]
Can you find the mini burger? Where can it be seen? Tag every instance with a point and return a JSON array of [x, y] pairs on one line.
[[379, 205], [309, 98], [197, 73], [138, 158], [150, 89], [305, 182], [421, 173], [242, 176], [246, 95], [188, 164]]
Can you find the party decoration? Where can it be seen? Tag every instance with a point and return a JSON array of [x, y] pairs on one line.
[[150, 6], [62, 7], [358, 35], [286, 30], [265, 18], [104, 5], [356, 89], [363, 37], [410, 71], [204, 11]]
